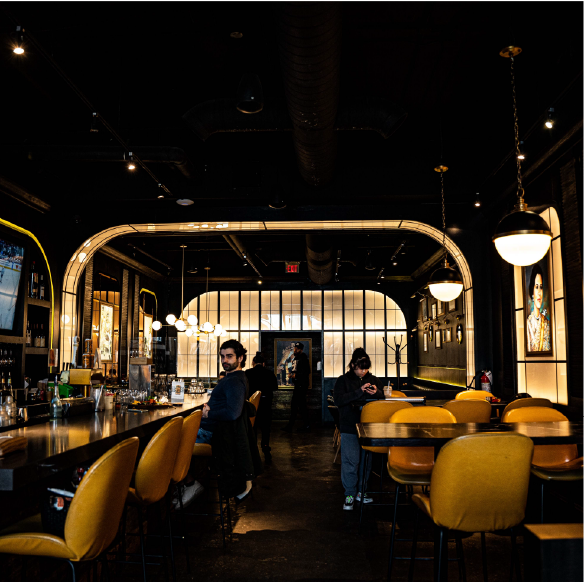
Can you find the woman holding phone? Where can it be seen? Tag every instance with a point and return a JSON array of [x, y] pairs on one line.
[[350, 392]]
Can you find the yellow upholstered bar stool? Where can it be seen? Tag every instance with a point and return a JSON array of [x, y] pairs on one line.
[[396, 393], [470, 411], [528, 402], [412, 465], [473, 394], [255, 400], [153, 475], [376, 412], [466, 468], [558, 462], [93, 518]]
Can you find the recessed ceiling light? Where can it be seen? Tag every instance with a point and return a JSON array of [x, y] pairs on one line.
[[236, 35], [161, 196], [184, 202]]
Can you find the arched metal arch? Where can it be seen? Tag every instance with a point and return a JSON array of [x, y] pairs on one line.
[[88, 248]]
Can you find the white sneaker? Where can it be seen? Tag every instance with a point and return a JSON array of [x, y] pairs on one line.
[[349, 502], [366, 499], [245, 493], [189, 494]]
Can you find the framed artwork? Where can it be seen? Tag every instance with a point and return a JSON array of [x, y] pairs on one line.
[[284, 361], [431, 332], [106, 332], [537, 299], [459, 334], [438, 339], [433, 311], [425, 342], [147, 335], [448, 335], [424, 309], [452, 305], [441, 307]]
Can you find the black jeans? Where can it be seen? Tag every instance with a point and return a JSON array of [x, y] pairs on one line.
[[299, 404], [263, 423]]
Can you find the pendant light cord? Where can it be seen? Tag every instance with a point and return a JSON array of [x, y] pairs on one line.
[[443, 215], [182, 287], [520, 190]]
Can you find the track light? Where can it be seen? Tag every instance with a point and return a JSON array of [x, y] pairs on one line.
[[250, 95], [94, 123], [521, 152], [276, 200], [477, 202], [369, 265], [131, 165], [18, 48], [549, 123]]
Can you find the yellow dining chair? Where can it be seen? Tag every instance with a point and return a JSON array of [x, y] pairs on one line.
[[93, 517], [372, 413], [558, 462], [396, 393], [473, 394], [469, 411], [467, 467], [528, 402], [412, 465], [255, 400]]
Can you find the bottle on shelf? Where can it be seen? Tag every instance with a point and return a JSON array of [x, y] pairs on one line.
[[56, 407], [41, 289], [42, 342], [3, 381], [28, 335], [9, 382], [34, 282], [36, 338]]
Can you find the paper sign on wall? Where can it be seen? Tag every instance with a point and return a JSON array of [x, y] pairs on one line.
[[178, 392]]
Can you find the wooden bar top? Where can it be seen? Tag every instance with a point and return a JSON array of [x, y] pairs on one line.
[[62, 444]]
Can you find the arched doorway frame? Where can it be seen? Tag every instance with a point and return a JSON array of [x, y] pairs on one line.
[[87, 249]]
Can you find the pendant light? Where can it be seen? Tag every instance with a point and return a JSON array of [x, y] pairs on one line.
[[445, 283], [522, 237]]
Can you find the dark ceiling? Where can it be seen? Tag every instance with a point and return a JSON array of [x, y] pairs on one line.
[[143, 66]]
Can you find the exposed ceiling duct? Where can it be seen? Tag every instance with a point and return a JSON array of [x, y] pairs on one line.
[[239, 248], [321, 259]]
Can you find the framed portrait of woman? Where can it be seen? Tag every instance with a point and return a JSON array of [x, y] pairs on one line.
[[424, 309], [433, 311], [440, 307], [452, 305], [537, 300], [438, 339]]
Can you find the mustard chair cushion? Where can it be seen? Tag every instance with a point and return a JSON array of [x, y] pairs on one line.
[[528, 402], [397, 393], [93, 517], [380, 411], [185, 450], [156, 464], [202, 450], [470, 466], [255, 400], [470, 411], [568, 471], [474, 394]]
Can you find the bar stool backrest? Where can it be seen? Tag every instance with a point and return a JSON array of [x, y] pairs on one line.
[[397, 393], [474, 394], [470, 411], [255, 400], [545, 456], [471, 466], [157, 462], [380, 412], [187, 442], [94, 516], [528, 402]]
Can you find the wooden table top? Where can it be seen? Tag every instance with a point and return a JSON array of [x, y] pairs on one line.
[[62, 444], [438, 434]]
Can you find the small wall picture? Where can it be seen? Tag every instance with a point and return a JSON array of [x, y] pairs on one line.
[[459, 334], [431, 332], [285, 362], [438, 339], [424, 309], [452, 305], [425, 342], [433, 311], [448, 335], [440, 307]]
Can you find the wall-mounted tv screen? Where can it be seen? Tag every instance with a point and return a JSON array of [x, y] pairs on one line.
[[11, 262]]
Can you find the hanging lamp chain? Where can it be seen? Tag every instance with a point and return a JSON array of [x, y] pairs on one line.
[[520, 191], [443, 215]]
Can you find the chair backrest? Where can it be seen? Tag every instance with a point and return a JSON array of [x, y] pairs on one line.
[[380, 412], [471, 467], [94, 516], [474, 394], [546, 456], [468, 411], [528, 402], [255, 400], [417, 459], [157, 462], [187, 443], [334, 412], [396, 393]]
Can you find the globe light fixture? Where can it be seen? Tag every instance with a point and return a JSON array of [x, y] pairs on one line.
[[522, 237], [170, 319], [180, 325], [156, 325], [189, 332]]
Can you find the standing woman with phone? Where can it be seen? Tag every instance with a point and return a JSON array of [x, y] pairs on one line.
[[350, 392]]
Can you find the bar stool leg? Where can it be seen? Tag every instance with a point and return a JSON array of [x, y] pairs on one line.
[[228, 504], [172, 559], [414, 545], [222, 517], [23, 569], [72, 570], [515, 556], [160, 503], [484, 555], [142, 550], [105, 568], [184, 530], [440, 555], [460, 553], [363, 462], [392, 536], [541, 500]]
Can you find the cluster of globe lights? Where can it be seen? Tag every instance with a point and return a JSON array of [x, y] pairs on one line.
[[192, 320]]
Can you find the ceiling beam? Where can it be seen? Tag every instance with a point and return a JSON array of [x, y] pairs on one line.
[[13, 190], [428, 264], [130, 262]]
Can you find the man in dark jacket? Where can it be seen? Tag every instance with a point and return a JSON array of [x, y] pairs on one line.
[[301, 377], [262, 379]]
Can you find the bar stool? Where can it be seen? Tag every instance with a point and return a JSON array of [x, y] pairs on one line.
[[474, 394], [467, 467], [255, 401], [412, 465], [379, 411], [153, 475], [528, 402], [396, 393], [470, 411], [550, 462], [93, 517]]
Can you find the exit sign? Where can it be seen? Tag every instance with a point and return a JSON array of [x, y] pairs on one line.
[[292, 267]]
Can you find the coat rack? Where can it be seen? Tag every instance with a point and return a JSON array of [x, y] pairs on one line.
[[398, 355]]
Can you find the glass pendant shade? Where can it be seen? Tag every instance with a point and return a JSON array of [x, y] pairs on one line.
[[207, 327], [522, 238], [445, 283], [180, 325], [218, 329], [192, 320], [171, 319], [189, 332], [156, 325], [250, 95]]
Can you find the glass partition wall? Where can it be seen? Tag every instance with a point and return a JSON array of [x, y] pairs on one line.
[[347, 318]]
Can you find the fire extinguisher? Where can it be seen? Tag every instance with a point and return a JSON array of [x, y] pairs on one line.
[[486, 381]]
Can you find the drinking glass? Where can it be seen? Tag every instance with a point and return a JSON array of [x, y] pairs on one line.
[[387, 390]]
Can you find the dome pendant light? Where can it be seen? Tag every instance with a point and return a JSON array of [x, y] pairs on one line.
[[522, 237], [445, 283]]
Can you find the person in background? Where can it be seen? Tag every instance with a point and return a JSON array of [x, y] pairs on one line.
[[350, 392], [264, 380], [222, 375], [301, 378]]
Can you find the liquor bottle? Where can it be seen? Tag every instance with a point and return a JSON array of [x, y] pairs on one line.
[[36, 341], [28, 335], [42, 289], [9, 382], [42, 337], [56, 407], [34, 281], [3, 381]]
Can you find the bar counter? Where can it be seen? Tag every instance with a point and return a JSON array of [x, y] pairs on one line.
[[61, 444]]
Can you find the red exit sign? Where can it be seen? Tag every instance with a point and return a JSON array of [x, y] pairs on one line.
[[292, 267]]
